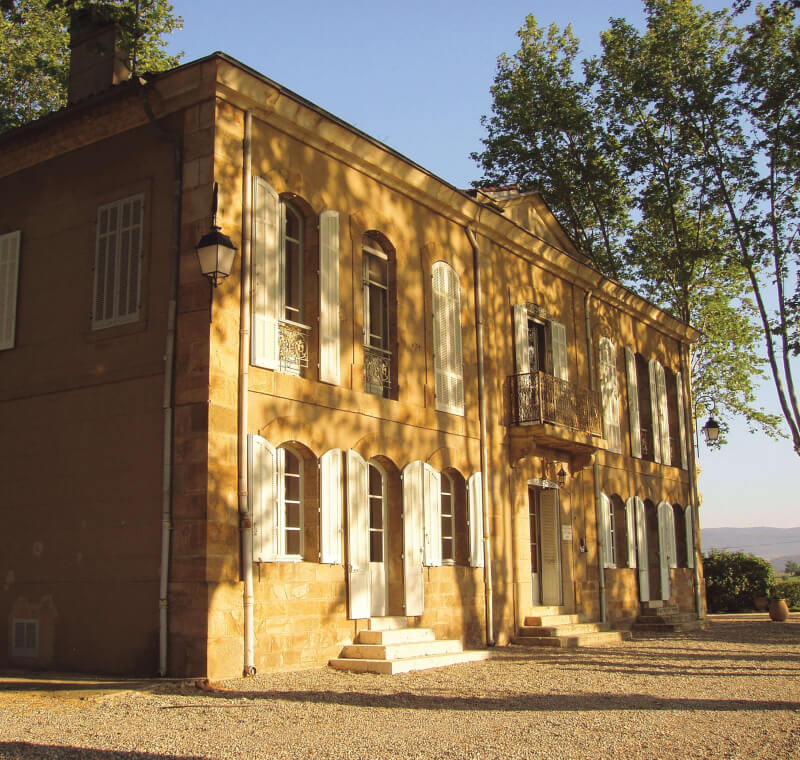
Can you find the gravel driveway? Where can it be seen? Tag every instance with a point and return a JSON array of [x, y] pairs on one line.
[[730, 692]]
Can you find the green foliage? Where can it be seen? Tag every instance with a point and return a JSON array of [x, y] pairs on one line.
[[790, 591], [694, 124], [733, 579], [792, 568], [34, 49]]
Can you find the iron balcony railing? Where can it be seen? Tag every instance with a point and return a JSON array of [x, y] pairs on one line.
[[377, 371], [537, 397], [293, 341]]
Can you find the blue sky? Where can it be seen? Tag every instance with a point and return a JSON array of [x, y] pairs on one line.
[[416, 75]]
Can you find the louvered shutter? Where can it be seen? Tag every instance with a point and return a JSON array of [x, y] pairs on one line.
[[266, 296], [521, 339], [359, 600], [447, 351], [475, 503], [604, 531], [330, 507], [9, 277], [550, 547], [413, 496], [654, 409], [558, 335], [432, 509], [610, 394], [663, 412], [641, 554], [633, 404], [665, 546], [262, 497], [681, 420], [689, 520], [329, 297], [630, 528]]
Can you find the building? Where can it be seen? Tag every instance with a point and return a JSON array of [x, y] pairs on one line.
[[201, 481]]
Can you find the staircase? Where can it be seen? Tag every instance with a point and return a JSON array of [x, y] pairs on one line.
[[660, 617], [550, 627], [390, 646]]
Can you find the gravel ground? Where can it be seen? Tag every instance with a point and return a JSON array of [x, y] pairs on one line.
[[730, 692]]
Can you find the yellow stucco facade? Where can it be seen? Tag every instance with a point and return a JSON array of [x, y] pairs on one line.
[[83, 445]]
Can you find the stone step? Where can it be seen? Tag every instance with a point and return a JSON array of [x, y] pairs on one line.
[[543, 611], [387, 623], [551, 619], [601, 638], [396, 636], [562, 630], [407, 664], [400, 651]]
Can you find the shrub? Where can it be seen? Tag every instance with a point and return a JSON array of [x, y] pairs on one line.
[[790, 591], [734, 578]]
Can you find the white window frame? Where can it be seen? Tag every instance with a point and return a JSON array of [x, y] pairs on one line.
[[382, 497], [447, 488], [385, 339], [298, 315], [609, 392], [283, 502], [23, 651], [118, 317], [448, 362]]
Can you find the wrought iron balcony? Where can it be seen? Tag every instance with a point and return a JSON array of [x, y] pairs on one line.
[[293, 347], [544, 399], [377, 371]]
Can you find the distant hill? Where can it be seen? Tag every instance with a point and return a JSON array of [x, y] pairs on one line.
[[778, 545]]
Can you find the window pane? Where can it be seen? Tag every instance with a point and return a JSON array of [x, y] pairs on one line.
[[447, 548], [377, 270], [291, 463], [293, 542], [292, 485], [292, 514], [293, 294], [375, 481], [375, 546], [375, 513], [377, 317]]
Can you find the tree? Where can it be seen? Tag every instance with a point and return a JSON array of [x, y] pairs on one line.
[[792, 568], [34, 49], [733, 579], [682, 250]]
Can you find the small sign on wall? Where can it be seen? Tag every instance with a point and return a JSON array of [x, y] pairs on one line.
[[566, 533]]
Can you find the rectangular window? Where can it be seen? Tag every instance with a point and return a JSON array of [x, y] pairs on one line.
[[448, 521], [9, 275], [377, 351], [26, 638], [118, 262]]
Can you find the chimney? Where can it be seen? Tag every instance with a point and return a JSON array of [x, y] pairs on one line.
[[96, 60]]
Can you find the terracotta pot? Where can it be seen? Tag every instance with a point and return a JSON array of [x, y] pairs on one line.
[[778, 610], [760, 603]]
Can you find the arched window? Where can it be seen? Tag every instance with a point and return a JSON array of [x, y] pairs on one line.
[[290, 503], [292, 263], [680, 536], [377, 513], [379, 360], [448, 361], [448, 501]]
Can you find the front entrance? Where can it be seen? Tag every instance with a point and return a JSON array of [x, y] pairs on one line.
[[543, 511]]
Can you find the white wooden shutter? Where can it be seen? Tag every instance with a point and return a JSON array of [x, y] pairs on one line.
[[633, 404], [9, 277], [266, 296], [654, 409], [432, 509], [681, 420], [329, 297], [689, 520], [447, 350], [665, 545], [475, 527], [558, 336], [359, 599], [521, 339], [330, 507], [663, 415], [550, 547], [641, 554], [604, 531], [609, 393], [413, 496], [630, 529], [262, 497]]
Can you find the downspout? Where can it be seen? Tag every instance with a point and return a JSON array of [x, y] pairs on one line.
[[487, 556], [598, 504], [693, 489], [245, 518], [168, 397]]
